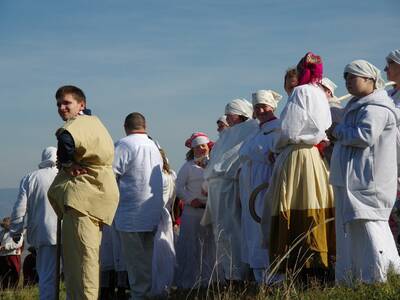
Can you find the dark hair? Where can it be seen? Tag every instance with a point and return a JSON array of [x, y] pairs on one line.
[[190, 155], [76, 92], [135, 121]]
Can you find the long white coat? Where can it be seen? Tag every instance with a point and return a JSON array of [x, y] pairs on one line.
[[223, 206], [256, 169], [364, 155], [33, 203]]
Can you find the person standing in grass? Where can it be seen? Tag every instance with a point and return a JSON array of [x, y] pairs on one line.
[[33, 205], [84, 193], [138, 166], [364, 177], [297, 223], [195, 251], [223, 205]]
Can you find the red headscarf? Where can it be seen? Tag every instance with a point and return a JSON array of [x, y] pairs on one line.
[[310, 69], [196, 135]]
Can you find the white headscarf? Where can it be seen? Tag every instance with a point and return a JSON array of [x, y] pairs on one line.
[[223, 120], [49, 157], [329, 84], [363, 68], [240, 107], [268, 97], [395, 56]]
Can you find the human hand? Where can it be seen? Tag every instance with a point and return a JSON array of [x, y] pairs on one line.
[[76, 170], [329, 132]]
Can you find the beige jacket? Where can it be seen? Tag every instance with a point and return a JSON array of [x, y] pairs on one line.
[[94, 194]]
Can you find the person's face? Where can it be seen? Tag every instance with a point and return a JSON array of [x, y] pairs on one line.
[[290, 83], [263, 112], [69, 107], [359, 86], [201, 150], [221, 126], [233, 119], [392, 70], [328, 92]]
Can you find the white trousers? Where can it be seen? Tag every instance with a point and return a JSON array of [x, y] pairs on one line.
[[137, 248], [365, 249], [46, 257]]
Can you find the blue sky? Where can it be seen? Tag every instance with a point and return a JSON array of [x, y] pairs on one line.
[[177, 62]]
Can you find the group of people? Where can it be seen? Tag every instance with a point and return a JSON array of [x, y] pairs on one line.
[[308, 194]]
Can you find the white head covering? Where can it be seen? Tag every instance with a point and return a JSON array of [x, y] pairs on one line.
[[223, 120], [363, 68], [395, 56], [329, 84], [200, 140], [240, 107], [268, 97], [49, 157]]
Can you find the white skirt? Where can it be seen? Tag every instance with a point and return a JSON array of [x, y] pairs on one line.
[[365, 249], [195, 251]]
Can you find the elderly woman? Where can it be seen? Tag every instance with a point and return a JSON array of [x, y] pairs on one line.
[[299, 203], [257, 169], [196, 247], [364, 178], [223, 206]]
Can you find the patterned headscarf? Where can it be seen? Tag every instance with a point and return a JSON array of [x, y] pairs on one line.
[[310, 69]]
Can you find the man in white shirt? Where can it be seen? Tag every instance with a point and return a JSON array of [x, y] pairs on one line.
[[138, 167], [32, 204]]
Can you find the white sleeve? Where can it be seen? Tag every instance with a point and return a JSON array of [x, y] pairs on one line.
[[292, 120], [181, 183], [121, 159], [19, 209]]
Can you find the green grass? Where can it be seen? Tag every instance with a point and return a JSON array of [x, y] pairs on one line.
[[388, 290]]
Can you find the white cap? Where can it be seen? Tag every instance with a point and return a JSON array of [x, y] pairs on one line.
[[363, 68], [395, 56], [240, 107], [329, 84], [268, 97]]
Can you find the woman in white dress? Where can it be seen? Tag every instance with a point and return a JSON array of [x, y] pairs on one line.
[[256, 168], [196, 247]]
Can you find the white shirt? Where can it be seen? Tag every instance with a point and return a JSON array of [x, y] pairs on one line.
[[32, 201], [138, 165], [305, 117]]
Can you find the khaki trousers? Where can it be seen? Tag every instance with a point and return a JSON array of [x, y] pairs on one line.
[[81, 238]]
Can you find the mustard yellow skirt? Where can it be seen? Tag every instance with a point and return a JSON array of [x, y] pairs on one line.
[[298, 220]]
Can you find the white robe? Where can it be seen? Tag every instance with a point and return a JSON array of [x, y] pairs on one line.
[[364, 178], [223, 206], [196, 246], [256, 169], [164, 251], [33, 206]]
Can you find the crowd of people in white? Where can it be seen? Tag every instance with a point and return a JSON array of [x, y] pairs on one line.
[[309, 193]]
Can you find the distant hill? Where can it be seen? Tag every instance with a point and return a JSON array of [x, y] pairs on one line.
[[7, 200]]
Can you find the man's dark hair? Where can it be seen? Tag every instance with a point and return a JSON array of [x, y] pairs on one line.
[[135, 121], [76, 92]]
